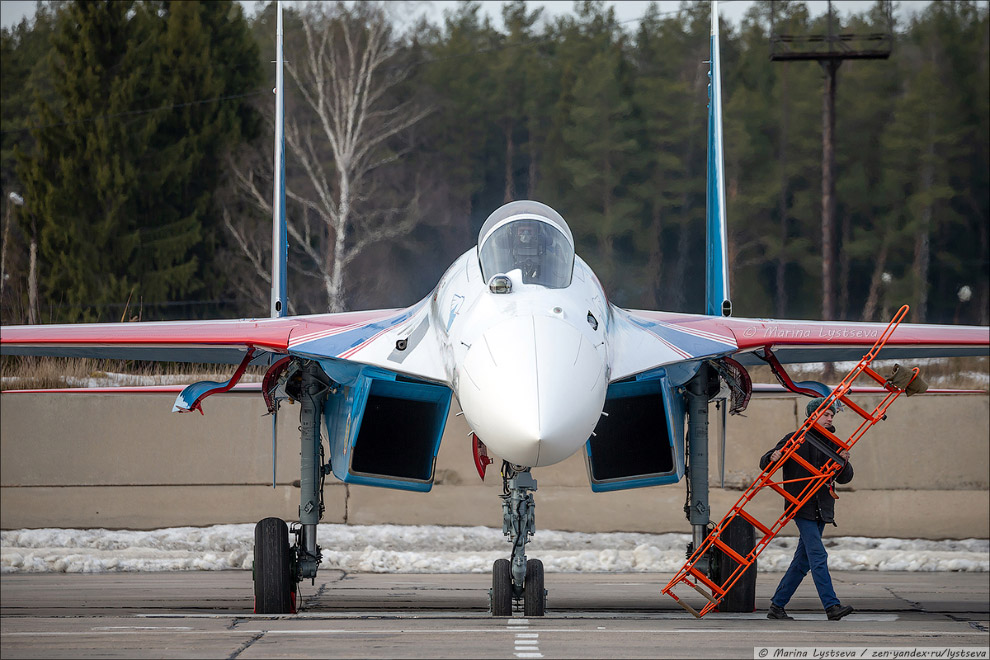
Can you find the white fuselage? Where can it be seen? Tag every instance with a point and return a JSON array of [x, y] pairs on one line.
[[528, 367]]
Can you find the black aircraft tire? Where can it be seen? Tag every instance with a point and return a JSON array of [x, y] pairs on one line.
[[272, 579], [534, 595], [501, 588], [739, 536]]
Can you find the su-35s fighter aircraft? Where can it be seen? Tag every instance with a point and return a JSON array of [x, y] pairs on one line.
[[520, 330]]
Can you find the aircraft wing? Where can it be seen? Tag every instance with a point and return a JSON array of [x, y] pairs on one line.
[[648, 339], [366, 337]]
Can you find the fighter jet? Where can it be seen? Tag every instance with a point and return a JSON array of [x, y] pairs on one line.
[[520, 331]]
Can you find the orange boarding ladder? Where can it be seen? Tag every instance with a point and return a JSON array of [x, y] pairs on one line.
[[690, 575]]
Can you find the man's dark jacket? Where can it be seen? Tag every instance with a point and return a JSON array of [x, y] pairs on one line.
[[821, 506]]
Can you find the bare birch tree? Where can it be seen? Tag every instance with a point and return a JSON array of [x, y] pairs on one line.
[[348, 77]]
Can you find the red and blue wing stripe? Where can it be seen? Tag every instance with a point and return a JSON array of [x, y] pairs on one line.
[[686, 341], [345, 341]]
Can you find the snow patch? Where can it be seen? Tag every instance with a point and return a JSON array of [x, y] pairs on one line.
[[435, 549]]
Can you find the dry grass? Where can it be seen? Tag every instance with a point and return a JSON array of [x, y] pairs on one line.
[[52, 373], [20, 373]]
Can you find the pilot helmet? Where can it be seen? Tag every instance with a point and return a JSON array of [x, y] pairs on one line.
[[527, 239]]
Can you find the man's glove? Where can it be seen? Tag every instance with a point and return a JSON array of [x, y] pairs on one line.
[[901, 379]]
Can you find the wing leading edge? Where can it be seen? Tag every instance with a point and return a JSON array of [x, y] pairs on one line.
[[698, 336], [364, 338]]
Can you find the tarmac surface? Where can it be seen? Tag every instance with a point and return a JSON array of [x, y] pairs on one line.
[[601, 615]]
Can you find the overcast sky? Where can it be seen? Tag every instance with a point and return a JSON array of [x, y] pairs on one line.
[[12, 11]]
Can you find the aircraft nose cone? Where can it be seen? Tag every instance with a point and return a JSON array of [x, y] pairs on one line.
[[533, 389]]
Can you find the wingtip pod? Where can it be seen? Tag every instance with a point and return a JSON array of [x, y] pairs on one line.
[[279, 301], [717, 301]]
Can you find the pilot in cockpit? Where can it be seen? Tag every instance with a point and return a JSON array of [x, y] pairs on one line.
[[532, 245], [529, 245]]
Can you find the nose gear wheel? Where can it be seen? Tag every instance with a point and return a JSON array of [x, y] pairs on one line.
[[501, 588], [534, 595]]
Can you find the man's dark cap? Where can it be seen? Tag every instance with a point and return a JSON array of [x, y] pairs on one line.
[[814, 403]]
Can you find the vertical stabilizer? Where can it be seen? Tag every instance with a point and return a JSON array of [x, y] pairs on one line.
[[279, 240], [717, 301]]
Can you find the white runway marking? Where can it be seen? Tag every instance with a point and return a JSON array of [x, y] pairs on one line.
[[526, 644]]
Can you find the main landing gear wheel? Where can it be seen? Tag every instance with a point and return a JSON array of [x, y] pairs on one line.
[[534, 595], [501, 588], [273, 584]]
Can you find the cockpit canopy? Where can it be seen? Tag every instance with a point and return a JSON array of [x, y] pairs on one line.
[[529, 236]]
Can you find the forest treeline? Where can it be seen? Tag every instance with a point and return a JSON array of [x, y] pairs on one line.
[[137, 138]]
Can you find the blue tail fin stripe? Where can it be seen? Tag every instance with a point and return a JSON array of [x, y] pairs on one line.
[[716, 261], [279, 302]]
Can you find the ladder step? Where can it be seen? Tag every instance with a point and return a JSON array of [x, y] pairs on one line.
[[735, 556], [828, 435], [703, 578], [780, 489], [686, 606], [703, 593], [805, 464], [754, 522], [875, 376], [856, 409]]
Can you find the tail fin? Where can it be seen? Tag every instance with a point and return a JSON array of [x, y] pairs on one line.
[[279, 240], [717, 302]]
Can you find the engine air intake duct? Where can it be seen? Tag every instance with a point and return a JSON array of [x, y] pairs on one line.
[[393, 430], [632, 446]]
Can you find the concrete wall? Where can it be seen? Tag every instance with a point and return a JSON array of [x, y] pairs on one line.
[[96, 460]]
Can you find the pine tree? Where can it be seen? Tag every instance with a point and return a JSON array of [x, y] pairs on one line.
[[773, 164], [24, 50], [460, 75], [671, 112], [81, 181], [864, 113], [205, 61], [129, 149], [516, 74]]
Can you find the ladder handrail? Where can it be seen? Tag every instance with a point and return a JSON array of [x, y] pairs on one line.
[[814, 481]]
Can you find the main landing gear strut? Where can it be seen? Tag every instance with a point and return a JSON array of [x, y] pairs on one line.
[[279, 567], [518, 579]]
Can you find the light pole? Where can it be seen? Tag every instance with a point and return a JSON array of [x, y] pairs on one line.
[[13, 199]]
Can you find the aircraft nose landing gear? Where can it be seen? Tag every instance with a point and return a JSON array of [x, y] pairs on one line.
[[518, 579]]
